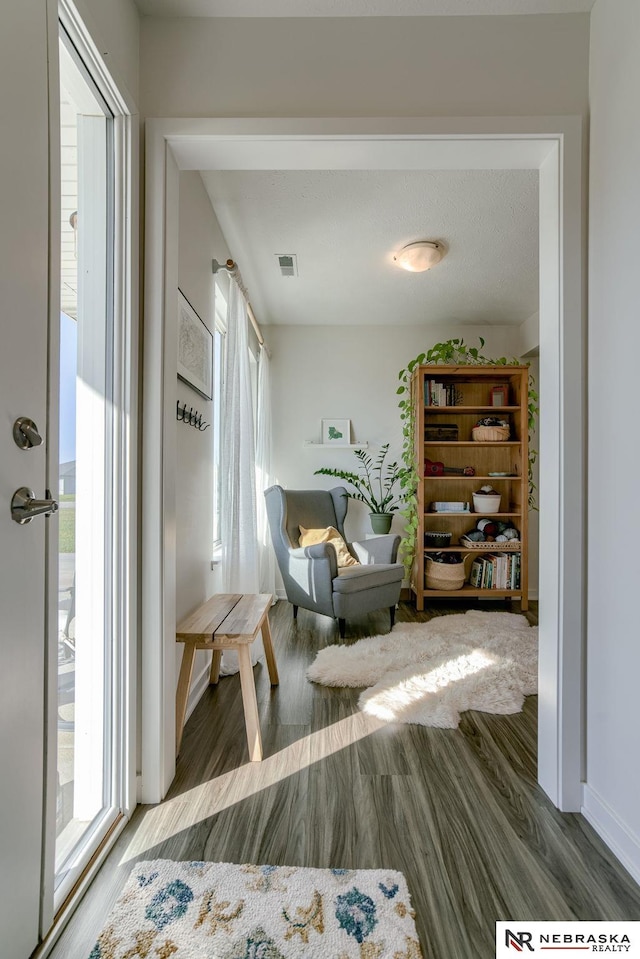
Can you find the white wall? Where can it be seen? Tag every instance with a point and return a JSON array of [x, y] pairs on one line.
[[613, 650], [351, 372], [380, 66], [115, 29], [200, 241]]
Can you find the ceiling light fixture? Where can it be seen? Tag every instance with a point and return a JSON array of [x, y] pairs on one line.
[[420, 256]]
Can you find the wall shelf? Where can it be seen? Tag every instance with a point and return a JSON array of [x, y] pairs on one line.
[[337, 446]]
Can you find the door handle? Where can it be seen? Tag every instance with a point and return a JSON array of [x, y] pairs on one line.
[[24, 505], [25, 433]]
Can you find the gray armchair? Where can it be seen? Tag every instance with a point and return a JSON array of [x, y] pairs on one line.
[[310, 573]]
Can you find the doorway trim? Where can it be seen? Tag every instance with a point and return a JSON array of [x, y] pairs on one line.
[[553, 146]]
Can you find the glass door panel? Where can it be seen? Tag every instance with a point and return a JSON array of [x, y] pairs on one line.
[[84, 735]]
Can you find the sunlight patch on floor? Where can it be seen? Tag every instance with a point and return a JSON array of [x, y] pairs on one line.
[[210, 798]]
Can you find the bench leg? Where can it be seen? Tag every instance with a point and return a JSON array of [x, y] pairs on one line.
[[250, 703], [214, 675], [268, 651], [182, 692]]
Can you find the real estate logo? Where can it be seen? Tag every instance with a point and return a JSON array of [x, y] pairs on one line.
[[557, 938], [518, 940]]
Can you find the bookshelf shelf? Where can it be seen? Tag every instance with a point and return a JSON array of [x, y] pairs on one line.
[[471, 409], [466, 397]]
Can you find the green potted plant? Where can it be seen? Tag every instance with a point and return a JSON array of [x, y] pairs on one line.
[[373, 486]]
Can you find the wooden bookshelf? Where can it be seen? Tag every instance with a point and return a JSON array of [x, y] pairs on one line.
[[472, 387]]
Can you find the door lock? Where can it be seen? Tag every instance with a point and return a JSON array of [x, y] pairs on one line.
[[24, 505], [25, 433]]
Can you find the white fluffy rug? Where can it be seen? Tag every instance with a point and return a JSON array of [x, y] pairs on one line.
[[217, 910], [429, 673]]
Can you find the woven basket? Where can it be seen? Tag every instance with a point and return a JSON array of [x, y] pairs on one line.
[[490, 434], [444, 575]]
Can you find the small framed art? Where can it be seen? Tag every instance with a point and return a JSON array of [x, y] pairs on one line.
[[195, 349], [336, 432]]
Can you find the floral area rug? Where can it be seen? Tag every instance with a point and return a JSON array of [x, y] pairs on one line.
[[213, 910], [429, 673]]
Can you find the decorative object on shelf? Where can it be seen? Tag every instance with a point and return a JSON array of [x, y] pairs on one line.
[[486, 500], [490, 429], [336, 432], [195, 349], [500, 395], [420, 256], [449, 506], [444, 432], [373, 486], [190, 417], [433, 539], [453, 352], [439, 469]]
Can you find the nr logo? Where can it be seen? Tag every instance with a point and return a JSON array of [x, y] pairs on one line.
[[518, 940]]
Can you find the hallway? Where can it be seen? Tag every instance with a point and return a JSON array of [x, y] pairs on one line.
[[457, 811]]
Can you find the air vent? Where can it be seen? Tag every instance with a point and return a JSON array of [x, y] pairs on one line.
[[288, 263]]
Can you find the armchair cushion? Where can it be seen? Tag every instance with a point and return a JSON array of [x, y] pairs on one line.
[[330, 535], [364, 577]]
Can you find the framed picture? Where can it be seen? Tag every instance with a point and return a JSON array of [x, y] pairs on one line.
[[500, 395], [336, 432], [195, 349]]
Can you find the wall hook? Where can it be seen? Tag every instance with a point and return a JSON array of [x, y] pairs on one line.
[[191, 417]]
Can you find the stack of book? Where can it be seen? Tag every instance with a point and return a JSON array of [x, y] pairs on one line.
[[439, 394], [447, 506], [496, 571]]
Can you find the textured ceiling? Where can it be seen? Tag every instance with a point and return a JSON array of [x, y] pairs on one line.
[[355, 8], [344, 227]]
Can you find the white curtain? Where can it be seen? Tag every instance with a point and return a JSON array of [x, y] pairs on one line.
[[264, 479], [238, 522]]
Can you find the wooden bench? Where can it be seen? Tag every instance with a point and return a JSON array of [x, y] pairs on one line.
[[227, 621]]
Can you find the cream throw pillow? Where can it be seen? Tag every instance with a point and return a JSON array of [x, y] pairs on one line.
[[309, 537]]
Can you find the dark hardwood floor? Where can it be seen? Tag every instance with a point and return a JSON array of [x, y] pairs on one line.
[[457, 811]]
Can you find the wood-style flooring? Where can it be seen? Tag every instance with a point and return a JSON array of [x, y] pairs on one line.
[[457, 811]]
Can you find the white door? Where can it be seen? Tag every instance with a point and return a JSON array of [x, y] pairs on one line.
[[65, 385], [24, 258]]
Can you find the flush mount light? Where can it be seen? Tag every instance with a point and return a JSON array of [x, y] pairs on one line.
[[420, 256]]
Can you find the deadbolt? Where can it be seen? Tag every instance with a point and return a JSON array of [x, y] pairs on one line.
[[25, 433]]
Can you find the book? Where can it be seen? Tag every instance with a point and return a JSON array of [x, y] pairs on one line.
[[475, 576]]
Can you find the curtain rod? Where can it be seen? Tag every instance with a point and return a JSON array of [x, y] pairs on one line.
[[232, 269]]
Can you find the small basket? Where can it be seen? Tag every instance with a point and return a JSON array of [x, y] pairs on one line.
[[511, 545], [490, 434], [437, 540], [445, 575]]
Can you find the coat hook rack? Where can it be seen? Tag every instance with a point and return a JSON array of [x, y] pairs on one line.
[[191, 417]]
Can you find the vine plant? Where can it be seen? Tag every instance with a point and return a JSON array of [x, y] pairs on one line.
[[450, 353]]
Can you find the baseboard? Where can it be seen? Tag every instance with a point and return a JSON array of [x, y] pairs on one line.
[[280, 593], [621, 841]]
